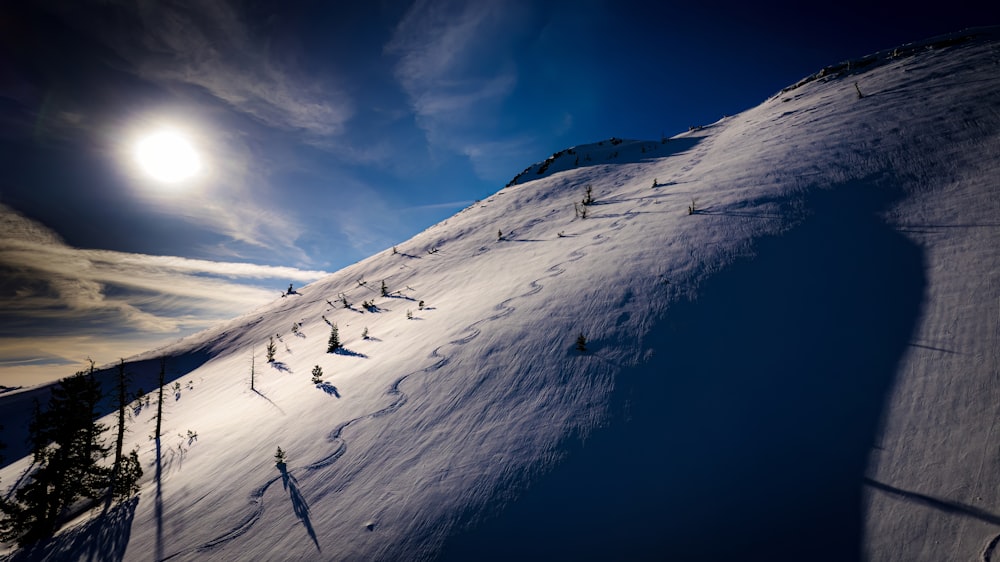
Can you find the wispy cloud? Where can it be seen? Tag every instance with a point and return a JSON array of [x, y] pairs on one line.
[[54, 292], [491, 159], [211, 46], [455, 65]]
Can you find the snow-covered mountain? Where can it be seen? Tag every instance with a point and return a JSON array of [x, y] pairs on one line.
[[792, 327]]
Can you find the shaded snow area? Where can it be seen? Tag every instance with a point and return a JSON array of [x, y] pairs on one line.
[[791, 354]]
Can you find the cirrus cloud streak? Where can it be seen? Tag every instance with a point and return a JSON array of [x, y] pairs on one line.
[[52, 293]]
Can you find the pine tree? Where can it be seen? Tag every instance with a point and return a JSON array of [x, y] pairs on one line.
[[280, 457], [317, 374], [581, 343], [125, 473], [385, 290], [271, 349], [129, 474], [334, 342], [67, 445]]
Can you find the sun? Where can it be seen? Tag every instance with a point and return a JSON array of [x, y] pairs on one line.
[[167, 156]]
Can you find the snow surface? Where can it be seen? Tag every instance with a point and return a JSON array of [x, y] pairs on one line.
[[804, 367]]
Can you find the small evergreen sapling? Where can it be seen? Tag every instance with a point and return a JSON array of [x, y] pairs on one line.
[[280, 457], [271, 349], [385, 290], [364, 333], [129, 473], [333, 344], [581, 343], [317, 374]]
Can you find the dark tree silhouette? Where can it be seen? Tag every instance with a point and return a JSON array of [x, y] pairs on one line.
[[333, 344], [67, 445], [125, 472]]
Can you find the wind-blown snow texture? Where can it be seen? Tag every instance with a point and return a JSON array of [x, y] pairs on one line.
[[805, 367]]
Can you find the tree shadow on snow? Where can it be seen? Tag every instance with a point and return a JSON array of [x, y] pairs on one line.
[[348, 353], [328, 388], [258, 393], [747, 434], [945, 505], [299, 505], [103, 538], [280, 366]]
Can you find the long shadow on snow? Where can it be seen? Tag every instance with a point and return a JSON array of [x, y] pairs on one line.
[[747, 435], [299, 504], [103, 538]]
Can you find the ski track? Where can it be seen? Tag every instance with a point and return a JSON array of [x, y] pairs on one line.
[[990, 547], [472, 331]]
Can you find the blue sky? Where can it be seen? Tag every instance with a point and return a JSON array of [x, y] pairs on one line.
[[329, 131]]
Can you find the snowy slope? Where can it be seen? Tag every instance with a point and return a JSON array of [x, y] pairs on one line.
[[804, 362]]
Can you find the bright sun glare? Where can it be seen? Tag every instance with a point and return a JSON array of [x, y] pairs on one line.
[[167, 156]]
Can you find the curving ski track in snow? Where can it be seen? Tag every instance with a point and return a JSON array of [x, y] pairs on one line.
[[990, 548], [472, 331]]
